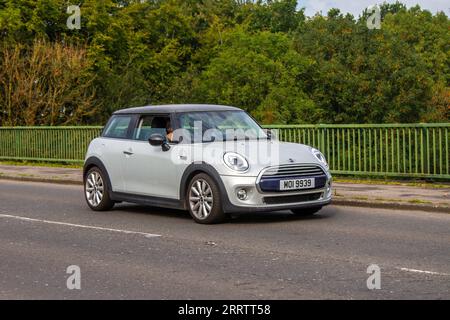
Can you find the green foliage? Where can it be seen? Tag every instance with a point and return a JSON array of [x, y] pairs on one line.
[[257, 72], [362, 75], [263, 56]]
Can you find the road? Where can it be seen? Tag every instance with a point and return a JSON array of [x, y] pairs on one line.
[[138, 252]]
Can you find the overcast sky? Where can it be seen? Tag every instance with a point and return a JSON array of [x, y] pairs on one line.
[[356, 7]]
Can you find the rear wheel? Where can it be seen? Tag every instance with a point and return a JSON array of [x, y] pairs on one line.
[[204, 201], [96, 191], [306, 212]]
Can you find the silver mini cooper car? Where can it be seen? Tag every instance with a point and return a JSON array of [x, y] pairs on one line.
[[209, 160]]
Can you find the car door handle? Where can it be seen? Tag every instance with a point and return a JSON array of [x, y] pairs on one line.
[[128, 153]]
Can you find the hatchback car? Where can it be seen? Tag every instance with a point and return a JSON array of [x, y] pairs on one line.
[[210, 160]]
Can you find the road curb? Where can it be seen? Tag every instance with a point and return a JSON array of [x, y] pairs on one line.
[[336, 201], [391, 205], [30, 179]]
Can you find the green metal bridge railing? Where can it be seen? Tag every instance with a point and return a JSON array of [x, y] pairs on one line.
[[408, 150], [53, 144]]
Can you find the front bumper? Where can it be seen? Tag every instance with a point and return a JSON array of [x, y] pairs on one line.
[[258, 201]]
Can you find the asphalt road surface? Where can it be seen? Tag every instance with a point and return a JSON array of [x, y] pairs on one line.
[[138, 252]]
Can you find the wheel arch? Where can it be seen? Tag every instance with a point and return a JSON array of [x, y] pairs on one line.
[[197, 168], [96, 162]]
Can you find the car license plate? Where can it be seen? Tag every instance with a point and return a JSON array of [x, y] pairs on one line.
[[297, 184]]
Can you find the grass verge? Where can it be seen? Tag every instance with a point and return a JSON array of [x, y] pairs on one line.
[[42, 164], [394, 182]]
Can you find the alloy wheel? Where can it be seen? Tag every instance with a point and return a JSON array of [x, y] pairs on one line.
[[201, 199], [94, 189]]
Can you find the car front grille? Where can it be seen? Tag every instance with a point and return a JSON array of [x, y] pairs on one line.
[[294, 170], [293, 199], [270, 178]]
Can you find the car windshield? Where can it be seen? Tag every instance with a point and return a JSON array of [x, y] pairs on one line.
[[218, 126]]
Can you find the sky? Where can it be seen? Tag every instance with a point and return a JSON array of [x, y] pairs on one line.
[[356, 7]]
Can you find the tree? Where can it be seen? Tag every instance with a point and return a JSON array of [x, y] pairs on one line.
[[264, 56], [258, 73], [47, 84]]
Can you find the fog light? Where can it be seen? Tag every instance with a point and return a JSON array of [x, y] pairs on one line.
[[242, 194]]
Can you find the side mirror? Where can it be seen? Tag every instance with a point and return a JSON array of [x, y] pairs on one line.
[[157, 140]]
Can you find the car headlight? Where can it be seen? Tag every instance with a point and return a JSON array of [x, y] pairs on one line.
[[319, 156], [235, 161]]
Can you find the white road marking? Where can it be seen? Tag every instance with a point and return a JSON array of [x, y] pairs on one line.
[[425, 272], [147, 235]]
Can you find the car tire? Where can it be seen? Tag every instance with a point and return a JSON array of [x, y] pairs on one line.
[[306, 212], [204, 200], [96, 191]]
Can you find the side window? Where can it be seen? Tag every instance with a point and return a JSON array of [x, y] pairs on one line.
[[149, 125], [118, 127]]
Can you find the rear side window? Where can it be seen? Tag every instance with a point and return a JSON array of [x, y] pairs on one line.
[[118, 127]]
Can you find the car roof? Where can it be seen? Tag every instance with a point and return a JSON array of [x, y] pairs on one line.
[[176, 108]]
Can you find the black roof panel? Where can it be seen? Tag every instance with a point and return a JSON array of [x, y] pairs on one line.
[[176, 108]]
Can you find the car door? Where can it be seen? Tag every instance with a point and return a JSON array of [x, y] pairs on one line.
[[149, 170], [112, 144]]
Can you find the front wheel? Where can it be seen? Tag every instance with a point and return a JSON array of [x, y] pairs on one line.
[[96, 191], [306, 212], [204, 201]]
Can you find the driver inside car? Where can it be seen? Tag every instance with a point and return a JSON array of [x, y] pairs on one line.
[[169, 131]]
